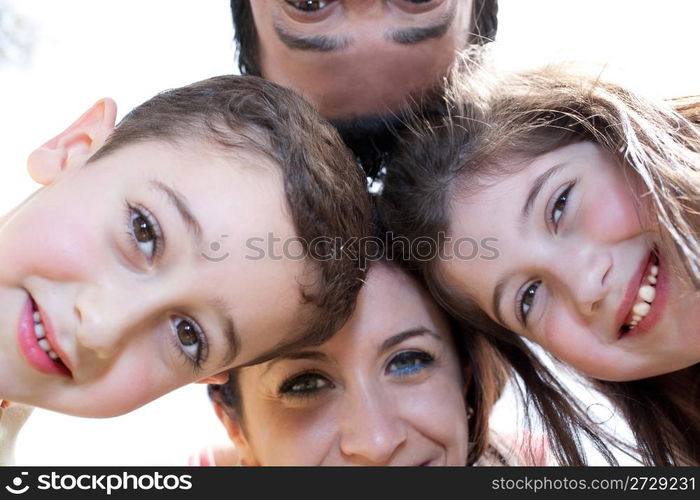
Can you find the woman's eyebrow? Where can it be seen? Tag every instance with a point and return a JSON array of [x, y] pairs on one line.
[[297, 355], [405, 335]]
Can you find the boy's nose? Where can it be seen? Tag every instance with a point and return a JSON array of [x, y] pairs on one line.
[[107, 318], [372, 431]]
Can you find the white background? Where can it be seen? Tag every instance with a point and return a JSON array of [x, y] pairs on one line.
[[131, 49]]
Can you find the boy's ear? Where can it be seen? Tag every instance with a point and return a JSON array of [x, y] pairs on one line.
[[75, 145], [218, 379], [236, 435]]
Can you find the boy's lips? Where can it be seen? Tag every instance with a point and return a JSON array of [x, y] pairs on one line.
[[654, 306], [29, 341]]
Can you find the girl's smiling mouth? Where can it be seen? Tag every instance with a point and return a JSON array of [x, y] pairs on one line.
[[645, 298], [37, 341]]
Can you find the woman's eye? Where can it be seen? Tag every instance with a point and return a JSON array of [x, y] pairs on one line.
[[559, 206], [190, 340], [310, 5], [306, 384], [409, 362], [526, 300], [145, 232]]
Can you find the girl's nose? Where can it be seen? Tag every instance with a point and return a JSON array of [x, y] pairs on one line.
[[585, 275]]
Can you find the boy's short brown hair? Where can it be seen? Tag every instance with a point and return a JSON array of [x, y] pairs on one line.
[[324, 188]]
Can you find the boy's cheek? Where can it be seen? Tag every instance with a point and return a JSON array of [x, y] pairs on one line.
[[55, 243]]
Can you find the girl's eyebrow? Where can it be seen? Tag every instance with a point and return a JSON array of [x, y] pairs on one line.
[[536, 188]]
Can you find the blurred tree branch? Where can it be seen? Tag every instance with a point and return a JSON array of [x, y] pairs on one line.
[[16, 36]]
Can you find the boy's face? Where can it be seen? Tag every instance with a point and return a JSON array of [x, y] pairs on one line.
[[135, 270]]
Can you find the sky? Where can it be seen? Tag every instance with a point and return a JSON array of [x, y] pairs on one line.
[[131, 49]]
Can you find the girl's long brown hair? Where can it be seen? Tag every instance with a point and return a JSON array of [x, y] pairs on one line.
[[490, 120]]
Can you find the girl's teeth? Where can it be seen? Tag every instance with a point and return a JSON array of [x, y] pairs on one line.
[[654, 270], [44, 344], [652, 280], [39, 330], [37, 318], [641, 308], [647, 293], [636, 318], [53, 355]]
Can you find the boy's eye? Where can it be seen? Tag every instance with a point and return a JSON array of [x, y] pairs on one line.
[[526, 300], [190, 340], [310, 5], [559, 206], [304, 385], [145, 232], [408, 363]]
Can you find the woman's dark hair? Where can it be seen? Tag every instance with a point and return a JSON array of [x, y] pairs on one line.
[[524, 116], [484, 15]]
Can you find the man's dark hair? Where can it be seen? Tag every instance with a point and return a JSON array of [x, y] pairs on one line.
[[484, 21], [324, 189]]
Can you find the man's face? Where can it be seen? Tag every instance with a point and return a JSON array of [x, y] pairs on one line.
[[358, 57], [130, 276]]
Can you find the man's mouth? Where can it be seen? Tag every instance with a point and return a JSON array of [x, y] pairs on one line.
[[644, 298]]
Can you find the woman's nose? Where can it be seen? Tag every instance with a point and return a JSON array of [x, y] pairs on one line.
[[372, 430]]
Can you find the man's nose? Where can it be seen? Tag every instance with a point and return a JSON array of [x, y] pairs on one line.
[[372, 430], [585, 276]]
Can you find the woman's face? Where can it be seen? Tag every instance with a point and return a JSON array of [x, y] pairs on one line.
[[578, 269], [386, 390]]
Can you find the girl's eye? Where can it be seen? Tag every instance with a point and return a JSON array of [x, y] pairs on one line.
[[408, 363], [145, 232], [305, 385], [309, 5], [559, 206], [526, 300], [190, 340]]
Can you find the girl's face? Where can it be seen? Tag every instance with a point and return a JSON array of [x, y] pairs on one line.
[[386, 390], [578, 269]]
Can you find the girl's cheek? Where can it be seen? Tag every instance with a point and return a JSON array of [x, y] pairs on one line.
[[609, 212]]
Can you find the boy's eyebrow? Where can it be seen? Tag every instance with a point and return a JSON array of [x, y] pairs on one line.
[[232, 339], [178, 201], [194, 227]]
